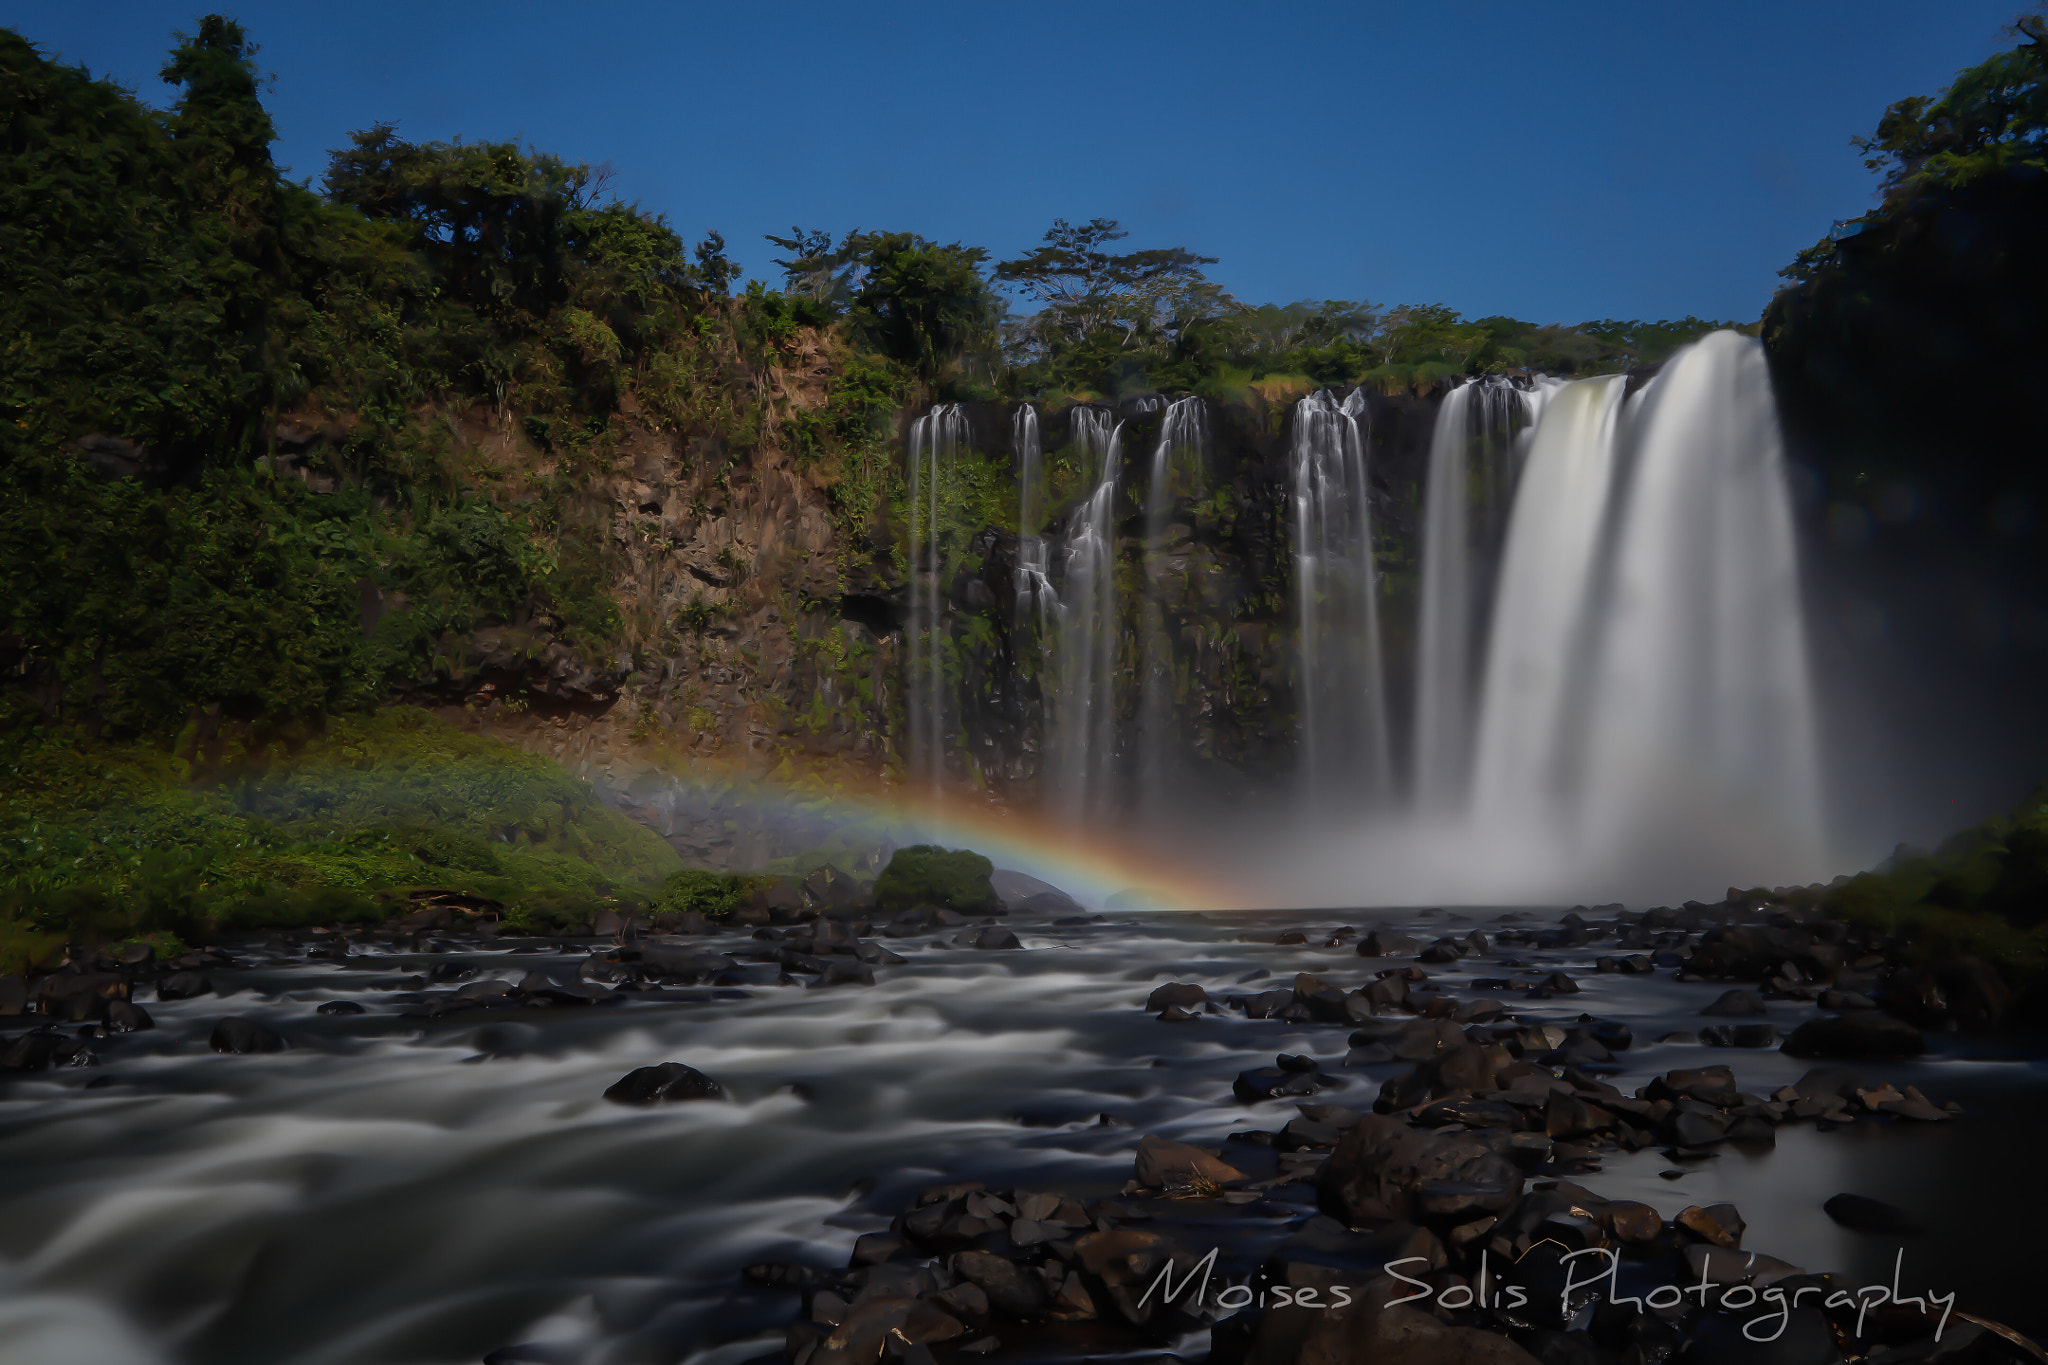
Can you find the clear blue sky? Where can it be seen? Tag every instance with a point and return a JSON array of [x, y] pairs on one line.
[[1553, 161]]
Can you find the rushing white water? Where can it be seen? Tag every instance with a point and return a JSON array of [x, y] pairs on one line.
[[935, 439], [1472, 467], [403, 1191], [1544, 604], [1341, 701], [1648, 697], [1032, 582], [1183, 450], [1081, 726]]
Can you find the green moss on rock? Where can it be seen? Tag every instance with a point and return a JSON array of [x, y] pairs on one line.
[[925, 874]]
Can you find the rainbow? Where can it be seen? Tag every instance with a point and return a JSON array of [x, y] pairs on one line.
[[1092, 866]]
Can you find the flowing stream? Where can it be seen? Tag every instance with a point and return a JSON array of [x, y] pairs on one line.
[[403, 1191]]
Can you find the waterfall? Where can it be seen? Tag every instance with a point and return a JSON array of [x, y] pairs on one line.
[[1183, 442], [935, 439], [1647, 694], [1542, 621], [1081, 727], [1472, 468], [1033, 587], [1342, 700]]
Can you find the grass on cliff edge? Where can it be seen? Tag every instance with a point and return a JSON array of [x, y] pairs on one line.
[[103, 842]]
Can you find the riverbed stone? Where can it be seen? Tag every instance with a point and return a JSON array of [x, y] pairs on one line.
[[1187, 995], [1163, 1164], [238, 1035], [1735, 1004], [667, 1083], [183, 986], [1720, 1224], [125, 1016], [1388, 943], [1864, 1214], [1740, 1035], [1856, 1034]]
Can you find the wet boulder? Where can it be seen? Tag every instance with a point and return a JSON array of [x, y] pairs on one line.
[[1186, 995], [1740, 1035], [184, 985], [1271, 1082], [1864, 1214], [1123, 1263], [668, 1083], [339, 1007], [1324, 1002], [1165, 1164], [539, 988], [846, 974], [1369, 1330], [1381, 1164], [1719, 1224], [241, 1036], [1388, 943], [1855, 1034], [1735, 1004], [125, 1016]]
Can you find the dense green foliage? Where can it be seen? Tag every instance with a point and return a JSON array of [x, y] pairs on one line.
[[694, 891], [109, 841], [1985, 890], [168, 298], [1909, 344], [925, 874]]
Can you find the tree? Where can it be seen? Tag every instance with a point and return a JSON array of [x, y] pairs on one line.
[[1085, 288], [804, 271], [924, 304], [1992, 120]]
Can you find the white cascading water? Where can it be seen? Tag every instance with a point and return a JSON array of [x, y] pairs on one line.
[[1183, 445], [935, 439], [1544, 602], [1034, 588], [1081, 724], [1472, 467], [1341, 705], [1648, 702]]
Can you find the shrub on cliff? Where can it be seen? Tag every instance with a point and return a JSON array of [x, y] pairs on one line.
[[925, 874], [694, 890]]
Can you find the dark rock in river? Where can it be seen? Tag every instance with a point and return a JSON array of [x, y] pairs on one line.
[[13, 996], [1803, 1339], [1871, 1215], [1186, 994], [1377, 1170], [1720, 1224], [1165, 1164], [1740, 1035], [183, 986], [1324, 1002], [1860, 1033], [1736, 1003], [1387, 943], [125, 1016], [540, 988], [1270, 1082], [240, 1036], [667, 1083], [1370, 1331]]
